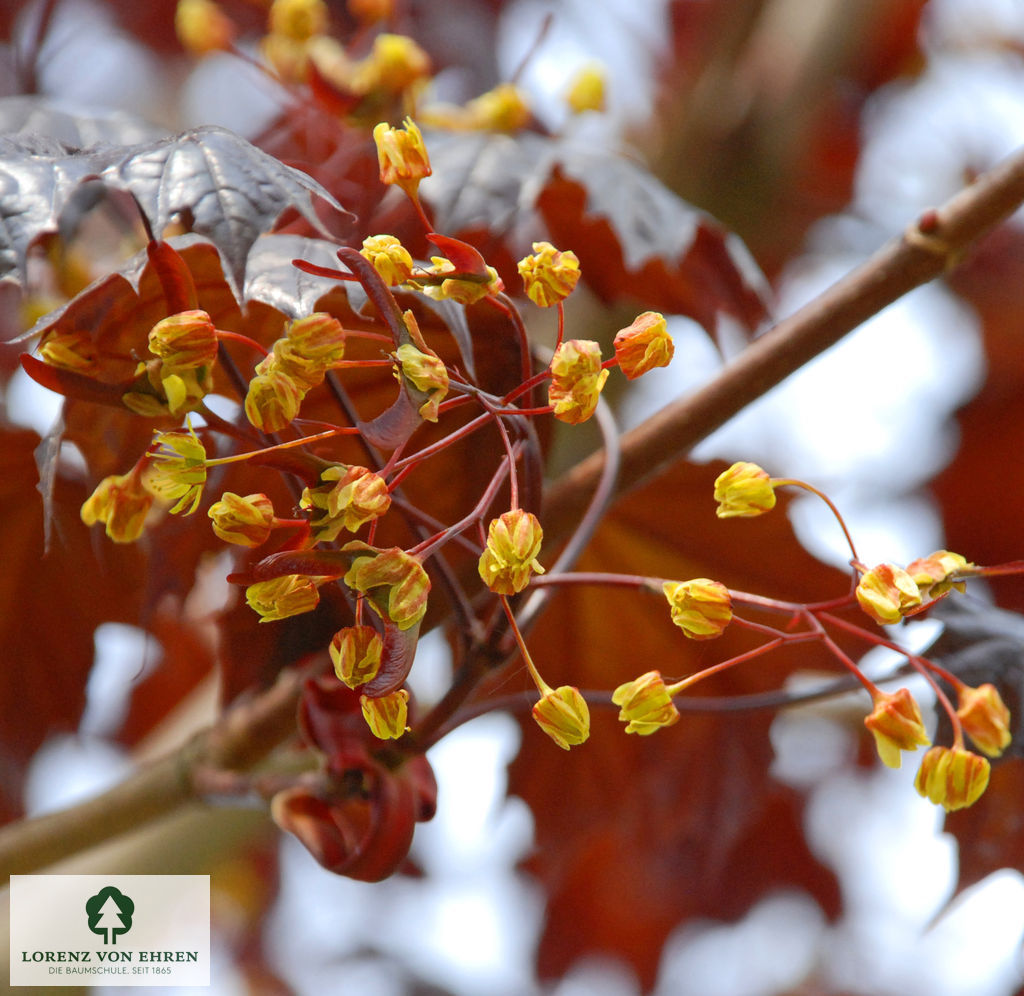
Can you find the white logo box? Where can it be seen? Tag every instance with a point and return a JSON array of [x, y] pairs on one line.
[[110, 930]]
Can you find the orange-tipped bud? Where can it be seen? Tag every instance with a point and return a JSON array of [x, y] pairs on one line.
[[886, 592], [318, 338], [645, 704], [549, 276], [587, 90], [896, 724], [273, 400], [371, 11], [510, 557], [185, 341], [743, 490], [644, 345], [282, 597], [933, 574], [953, 778], [576, 380], [401, 155], [389, 258], [427, 373], [402, 574], [701, 608], [984, 717], [563, 715], [358, 497], [121, 503], [355, 652], [244, 521], [386, 716]]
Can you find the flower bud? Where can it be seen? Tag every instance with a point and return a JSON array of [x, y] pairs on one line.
[[318, 338], [386, 716], [401, 155], [389, 258], [185, 341], [394, 64], [549, 276], [202, 27], [355, 652], [358, 497], [896, 724], [576, 380], [886, 592], [273, 400], [645, 704], [743, 490], [298, 20], [701, 608], [401, 573], [70, 350], [510, 557], [984, 717], [244, 521], [563, 715], [587, 90], [953, 778], [282, 597], [505, 108], [427, 373], [121, 503], [932, 574], [644, 345]]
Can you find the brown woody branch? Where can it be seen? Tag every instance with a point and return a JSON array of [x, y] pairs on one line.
[[249, 731]]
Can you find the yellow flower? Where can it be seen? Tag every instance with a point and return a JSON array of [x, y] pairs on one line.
[[586, 89], [386, 716], [510, 557], [282, 597], [563, 715], [394, 64], [984, 717], [576, 380], [402, 574], [389, 257], [401, 155], [177, 471], [244, 521], [273, 400], [71, 350], [427, 373], [953, 778], [645, 704], [121, 503], [298, 20], [896, 724], [505, 108], [701, 608], [743, 490], [466, 288], [318, 339], [185, 341], [644, 345], [355, 652], [932, 574], [359, 496], [549, 276], [886, 592], [202, 27]]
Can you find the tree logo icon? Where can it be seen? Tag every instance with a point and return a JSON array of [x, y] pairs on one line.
[[110, 913]]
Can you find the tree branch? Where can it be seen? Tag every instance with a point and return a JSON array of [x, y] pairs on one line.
[[929, 247]]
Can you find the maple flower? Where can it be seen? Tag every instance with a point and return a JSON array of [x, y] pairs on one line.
[[389, 258], [932, 574], [386, 716], [298, 20], [587, 89], [73, 350], [510, 557], [244, 521], [168, 392], [505, 108], [318, 338], [896, 724], [984, 717], [743, 490], [273, 399], [401, 155], [462, 288], [394, 64], [177, 471], [359, 496], [953, 778], [185, 341], [701, 608], [355, 652], [563, 715], [644, 345], [427, 373], [576, 380], [549, 276], [202, 27], [886, 592], [401, 573], [282, 597], [645, 703], [121, 503]]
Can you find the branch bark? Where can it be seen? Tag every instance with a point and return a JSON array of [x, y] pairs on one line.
[[249, 731]]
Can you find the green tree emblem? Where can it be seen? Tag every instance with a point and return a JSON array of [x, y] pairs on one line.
[[110, 912]]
